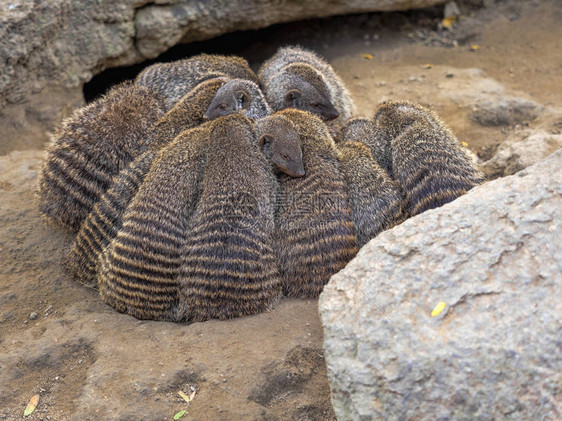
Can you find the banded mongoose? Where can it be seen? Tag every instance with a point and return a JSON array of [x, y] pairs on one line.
[[299, 78], [138, 269], [229, 268], [91, 147], [238, 95], [427, 160], [280, 143], [363, 129], [314, 230], [376, 201], [173, 80], [104, 221]]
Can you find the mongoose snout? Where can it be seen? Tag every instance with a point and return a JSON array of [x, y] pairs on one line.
[[280, 142]]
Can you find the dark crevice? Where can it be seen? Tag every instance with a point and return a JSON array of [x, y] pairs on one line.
[[257, 45]]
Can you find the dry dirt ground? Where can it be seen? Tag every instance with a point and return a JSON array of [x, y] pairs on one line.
[[88, 362]]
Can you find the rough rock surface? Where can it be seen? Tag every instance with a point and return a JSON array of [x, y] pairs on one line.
[[494, 257], [519, 151], [65, 41]]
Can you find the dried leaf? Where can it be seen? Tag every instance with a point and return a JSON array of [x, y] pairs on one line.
[[184, 396], [428, 66], [367, 56], [474, 47], [448, 22], [438, 309], [179, 414], [33, 402], [464, 144]]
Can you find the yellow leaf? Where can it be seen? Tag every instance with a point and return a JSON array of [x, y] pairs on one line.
[[367, 56], [438, 309], [184, 396], [33, 402], [464, 144], [448, 22], [428, 66], [474, 47]]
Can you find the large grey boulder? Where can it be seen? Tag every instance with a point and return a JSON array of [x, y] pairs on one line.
[[494, 256]]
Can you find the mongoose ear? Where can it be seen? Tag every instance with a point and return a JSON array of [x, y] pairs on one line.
[[264, 140], [242, 99], [292, 95]]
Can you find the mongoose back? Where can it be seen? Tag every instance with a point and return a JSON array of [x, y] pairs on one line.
[[427, 159], [362, 129], [105, 219], [238, 96], [279, 141], [91, 147], [173, 80], [139, 267], [229, 267], [376, 201], [299, 78], [314, 230]]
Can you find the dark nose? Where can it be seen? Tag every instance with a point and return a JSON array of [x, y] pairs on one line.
[[299, 173], [333, 115]]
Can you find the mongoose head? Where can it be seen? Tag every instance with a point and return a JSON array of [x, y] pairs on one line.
[[396, 116], [238, 96], [304, 89], [280, 143]]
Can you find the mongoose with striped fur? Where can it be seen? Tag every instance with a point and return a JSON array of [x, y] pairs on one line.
[[427, 160], [138, 269], [298, 78], [90, 148], [229, 268], [362, 129], [280, 143], [376, 201], [314, 229], [238, 95], [105, 219], [173, 80]]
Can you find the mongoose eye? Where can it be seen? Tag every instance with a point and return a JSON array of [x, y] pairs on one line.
[[315, 104], [285, 157], [222, 107]]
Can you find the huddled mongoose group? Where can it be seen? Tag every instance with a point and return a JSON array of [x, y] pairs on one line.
[[172, 81], [204, 191]]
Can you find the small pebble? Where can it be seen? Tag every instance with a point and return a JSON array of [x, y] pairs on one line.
[[449, 75], [33, 316]]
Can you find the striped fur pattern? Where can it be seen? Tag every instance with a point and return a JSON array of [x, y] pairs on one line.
[[362, 129], [229, 267], [314, 229], [90, 148], [173, 80], [376, 201], [138, 269], [427, 160], [104, 221], [290, 67]]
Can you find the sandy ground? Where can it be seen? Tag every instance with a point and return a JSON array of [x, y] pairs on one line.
[[87, 362]]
